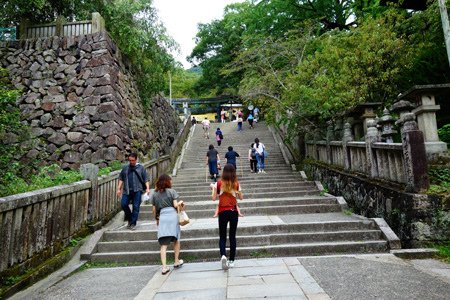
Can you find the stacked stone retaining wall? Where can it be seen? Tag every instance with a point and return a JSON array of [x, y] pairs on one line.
[[417, 219], [82, 103]]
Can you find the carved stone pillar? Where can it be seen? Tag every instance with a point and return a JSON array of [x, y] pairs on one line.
[[90, 172], [348, 137], [329, 138], [371, 137], [414, 154]]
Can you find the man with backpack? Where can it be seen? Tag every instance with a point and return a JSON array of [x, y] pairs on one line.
[[252, 158], [133, 180]]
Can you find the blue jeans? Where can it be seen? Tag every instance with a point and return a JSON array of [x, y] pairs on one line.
[[260, 161], [132, 217], [225, 217], [239, 126], [212, 164]]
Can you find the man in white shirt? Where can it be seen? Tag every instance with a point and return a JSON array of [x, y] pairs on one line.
[[206, 124]]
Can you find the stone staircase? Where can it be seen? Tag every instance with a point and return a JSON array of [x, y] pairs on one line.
[[284, 215]]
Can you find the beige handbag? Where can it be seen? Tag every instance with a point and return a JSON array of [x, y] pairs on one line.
[[183, 218]]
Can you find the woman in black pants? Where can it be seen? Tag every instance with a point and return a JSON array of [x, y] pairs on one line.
[[228, 190]]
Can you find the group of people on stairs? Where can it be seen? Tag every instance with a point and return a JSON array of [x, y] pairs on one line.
[[134, 182]]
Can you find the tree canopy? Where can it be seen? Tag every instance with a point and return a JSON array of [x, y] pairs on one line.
[[313, 60]]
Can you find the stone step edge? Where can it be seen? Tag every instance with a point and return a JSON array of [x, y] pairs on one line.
[[251, 236], [214, 226], [259, 248], [252, 200]]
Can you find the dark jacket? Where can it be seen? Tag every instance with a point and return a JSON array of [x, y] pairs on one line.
[[140, 177]]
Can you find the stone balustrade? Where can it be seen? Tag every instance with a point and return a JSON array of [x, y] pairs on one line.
[[378, 156]]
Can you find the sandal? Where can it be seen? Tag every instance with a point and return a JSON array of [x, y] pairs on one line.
[[180, 263], [165, 271]]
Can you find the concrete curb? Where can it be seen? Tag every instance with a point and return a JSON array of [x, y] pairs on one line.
[[180, 157], [303, 174], [388, 233], [420, 253], [281, 146]]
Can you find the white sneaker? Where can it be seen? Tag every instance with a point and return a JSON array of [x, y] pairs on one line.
[[224, 262], [231, 264], [264, 171], [260, 171]]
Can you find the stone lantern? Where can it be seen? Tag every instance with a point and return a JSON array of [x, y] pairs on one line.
[[425, 110], [387, 126]]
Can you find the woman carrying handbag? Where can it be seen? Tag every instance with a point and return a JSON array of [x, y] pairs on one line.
[[165, 209]]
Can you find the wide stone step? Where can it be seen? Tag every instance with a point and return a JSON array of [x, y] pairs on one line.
[[247, 184], [251, 190], [245, 241], [275, 176], [254, 203], [291, 249], [318, 226], [261, 211], [260, 194], [248, 181]]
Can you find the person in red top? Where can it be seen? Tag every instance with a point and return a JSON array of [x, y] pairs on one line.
[[228, 190]]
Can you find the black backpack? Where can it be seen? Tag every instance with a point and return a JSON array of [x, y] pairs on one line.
[[253, 152], [221, 136]]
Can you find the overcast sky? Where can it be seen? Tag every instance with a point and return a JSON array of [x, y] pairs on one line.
[[181, 17]]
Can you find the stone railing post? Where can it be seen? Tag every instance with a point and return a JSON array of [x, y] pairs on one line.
[[329, 138], [348, 137], [98, 23], [371, 137], [317, 137], [59, 24], [414, 154], [90, 172]]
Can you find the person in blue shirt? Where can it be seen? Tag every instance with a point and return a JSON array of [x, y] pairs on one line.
[[219, 136], [250, 120], [231, 156]]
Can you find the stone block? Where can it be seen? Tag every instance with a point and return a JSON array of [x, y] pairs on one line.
[[107, 107], [111, 153], [46, 117], [73, 97], [75, 137], [97, 142], [103, 90], [114, 140], [69, 59], [82, 119], [51, 148], [72, 157], [58, 138], [92, 100], [109, 128], [55, 90], [58, 122], [88, 91]]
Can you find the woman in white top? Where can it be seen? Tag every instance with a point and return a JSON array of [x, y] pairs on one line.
[[259, 147]]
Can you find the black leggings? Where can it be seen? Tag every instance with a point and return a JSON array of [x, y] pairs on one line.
[[225, 217], [253, 166]]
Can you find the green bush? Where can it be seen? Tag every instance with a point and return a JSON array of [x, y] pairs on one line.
[[444, 133], [47, 177]]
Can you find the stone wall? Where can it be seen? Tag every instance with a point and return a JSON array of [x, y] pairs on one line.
[[416, 218], [82, 103]]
